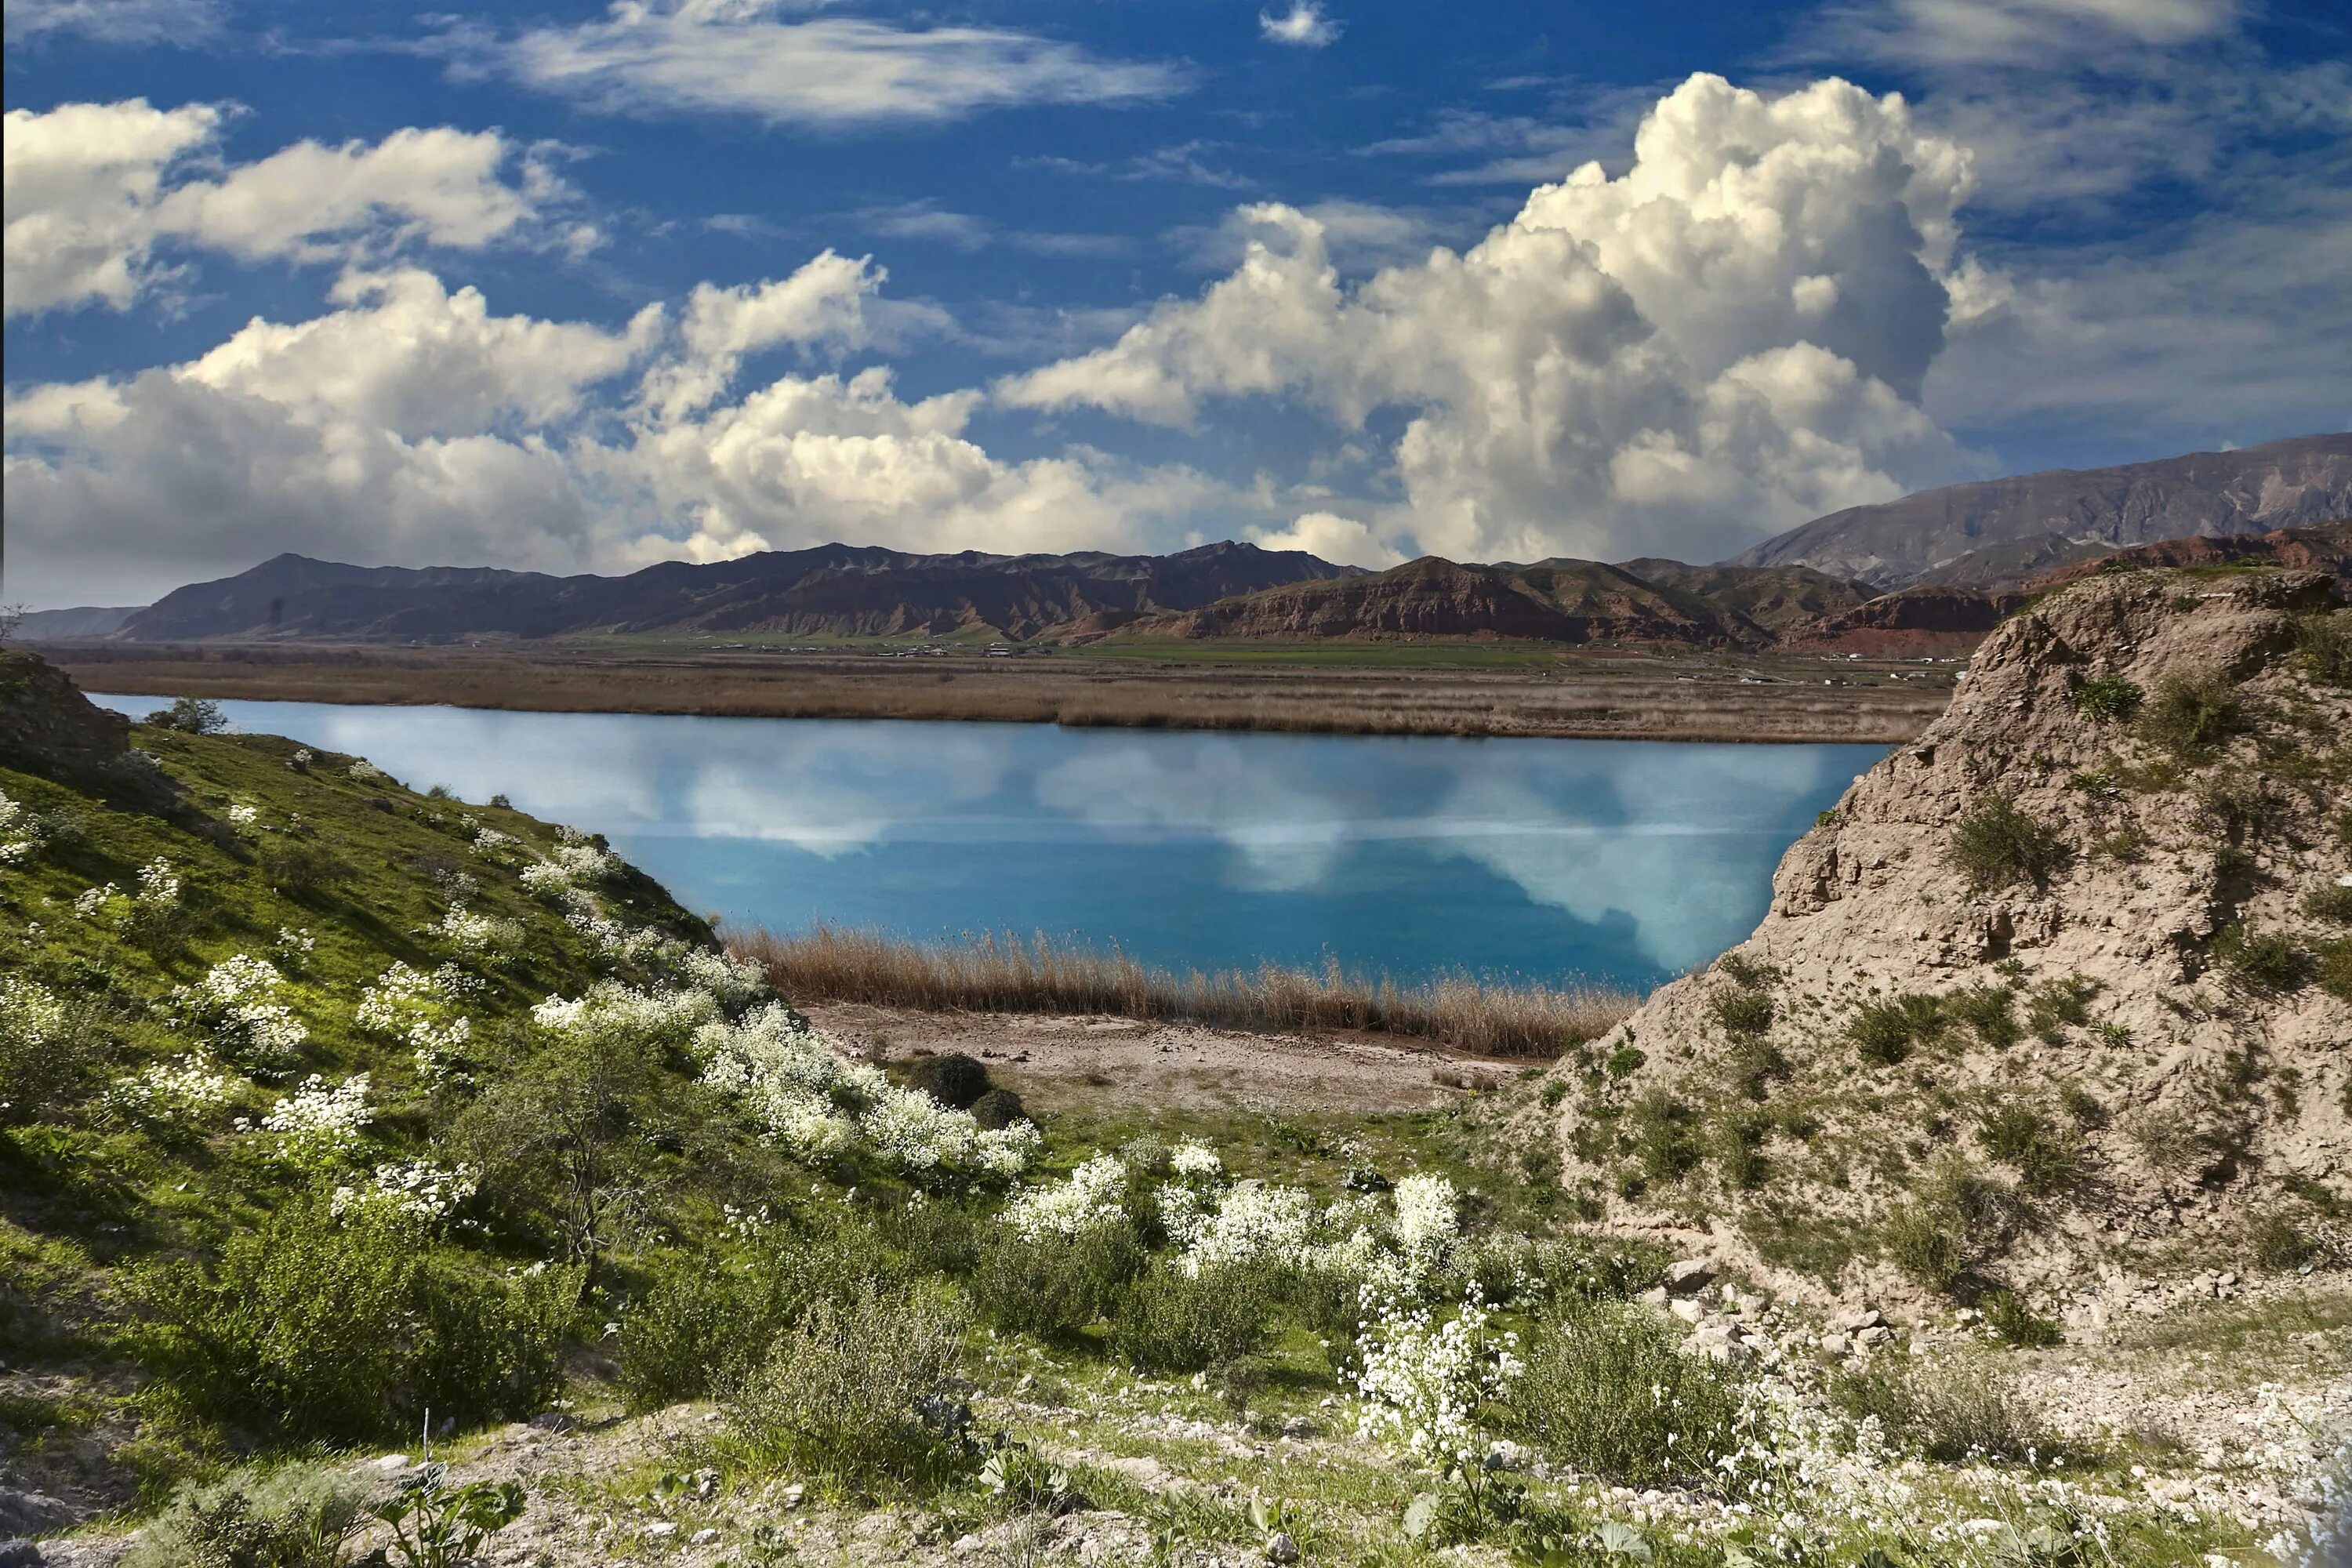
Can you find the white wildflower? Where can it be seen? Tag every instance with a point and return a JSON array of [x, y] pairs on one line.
[[418, 1189], [90, 900], [158, 885], [1094, 1196], [172, 1091], [318, 1126], [1195, 1161]]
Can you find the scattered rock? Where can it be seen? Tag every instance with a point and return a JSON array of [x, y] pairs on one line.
[[1690, 1276], [1280, 1547]]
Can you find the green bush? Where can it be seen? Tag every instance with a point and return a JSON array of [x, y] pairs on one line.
[[1055, 1285], [1954, 1226], [2281, 1239], [1747, 974], [300, 866], [2046, 1155], [299, 1516], [1998, 846], [1664, 1133], [191, 715], [2108, 696], [2325, 642], [2006, 1313], [1951, 1411], [1751, 1066], [2333, 904], [1990, 1010], [2332, 968], [319, 1326], [1584, 1269], [50, 1049], [999, 1109], [862, 1394], [2270, 962], [935, 1237], [1739, 1151], [1169, 1321], [706, 1318], [2056, 1005], [1884, 1032], [1741, 1013], [2190, 716], [1608, 1389], [954, 1080]]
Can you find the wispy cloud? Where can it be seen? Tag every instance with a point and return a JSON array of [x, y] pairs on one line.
[[828, 72], [1303, 27], [1182, 164], [115, 21]]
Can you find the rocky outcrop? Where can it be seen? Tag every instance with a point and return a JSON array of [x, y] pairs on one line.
[[2013, 526], [47, 727], [2326, 549], [1911, 621], [2065, 983]]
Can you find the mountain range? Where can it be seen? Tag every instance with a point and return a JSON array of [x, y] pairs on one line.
[[1932, 573]]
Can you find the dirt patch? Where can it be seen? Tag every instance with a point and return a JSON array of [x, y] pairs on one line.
[[1068, 1061]]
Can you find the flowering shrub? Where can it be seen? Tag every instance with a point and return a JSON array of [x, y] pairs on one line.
[[1255, 1224], [30, 1014], [1194, 1161], [490, 840], [1426, 1385], [544, 880], [365, 772], [816, 1104], [1094, 1196], [477, 936], [665, 1019], [1428, 1222], [236, 1002], [172, 1091], [414, 1009], [90, 901], [21, 835], [417, 1188], [241, 816], [294, 944], [584, 863], [318, 1127], [159, 886]]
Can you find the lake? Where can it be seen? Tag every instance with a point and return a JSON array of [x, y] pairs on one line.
[[1625, 861]]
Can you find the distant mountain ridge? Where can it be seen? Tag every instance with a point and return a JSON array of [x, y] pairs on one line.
[[833, 589], [1999, 532]]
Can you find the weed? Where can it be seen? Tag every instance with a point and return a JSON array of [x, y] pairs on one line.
[[1608, 1389], [1745, 1013], [2006, 1313], [1951, 1229], [1955, 1410], [1747, 974], [1884, 1032], [2332, 968], [299, 1516], [2110, 697], [2046, 1155], [2191, 716], [2281, 1239], [2324, 644], [1170, 1321], [1990, 1010], [860, 1393], [2056, 1005], [2333, 904], [2268, 962], [1998, 846], [1664, 1134], [1752, 1066], [1624, 1061], [1739, 1153], [1055, 1284]]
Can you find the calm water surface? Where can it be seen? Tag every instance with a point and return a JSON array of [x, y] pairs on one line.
[[1622, 861]]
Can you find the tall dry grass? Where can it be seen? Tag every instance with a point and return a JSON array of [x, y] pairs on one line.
[[992, 974]]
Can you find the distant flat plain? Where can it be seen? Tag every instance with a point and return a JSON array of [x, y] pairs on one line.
[[1347, 687]]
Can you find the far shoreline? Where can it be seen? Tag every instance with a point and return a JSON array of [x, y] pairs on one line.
[[1544, 693]]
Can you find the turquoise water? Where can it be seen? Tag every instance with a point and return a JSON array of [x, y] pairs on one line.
[[1616, 861]]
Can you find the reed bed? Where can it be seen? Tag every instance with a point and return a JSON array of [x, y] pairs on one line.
[[988, 974]]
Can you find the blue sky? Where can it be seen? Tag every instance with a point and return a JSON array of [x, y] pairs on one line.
[[574, 287]]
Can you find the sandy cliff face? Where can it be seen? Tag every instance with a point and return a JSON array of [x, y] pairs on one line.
[[2115, 1047]]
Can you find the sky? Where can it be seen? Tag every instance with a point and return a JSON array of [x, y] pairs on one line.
[[577, 287]]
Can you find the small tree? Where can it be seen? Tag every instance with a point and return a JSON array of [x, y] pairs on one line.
[[191, 715]]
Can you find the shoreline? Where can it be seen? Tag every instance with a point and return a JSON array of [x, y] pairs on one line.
[[1574, 694]]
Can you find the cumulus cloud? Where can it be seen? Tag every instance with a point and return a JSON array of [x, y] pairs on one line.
[[93, 190], [738, 57], [1332, 537], [1729, 338], [413, 424], [1303, 27]]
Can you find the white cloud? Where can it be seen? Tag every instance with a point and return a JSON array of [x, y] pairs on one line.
[[93, 190], [1332, 537], [1945, 34], [115, 21], [735, 57], [1304, 25], [1728, 338]]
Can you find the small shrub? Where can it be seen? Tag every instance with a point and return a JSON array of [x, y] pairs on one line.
[[859, 1393], [1884, 1032], [1663, 1133], [301, 866], [2056, 1005], [2332, 968], [2269, 962], [1609, 1390], [1624, 1061], [1998, 846], [1955, 1224], [2110, 697], [2046, 1155], [1741, 1013], [1950, 1411], [2190, 716], [2282, 1239], [1172, 1321], [191, 715], [1988, 1010], [1055, 1285], [704, 1320], [2006, 1314], [935, 1237], [2333, 904], [1747, 974], [2325, 643], [1579, 1269], [954, 1080], [999, 1109], [1739, 1152], [299, 1516], [1752, 1066]]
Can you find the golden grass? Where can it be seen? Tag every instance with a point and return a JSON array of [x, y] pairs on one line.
[[990, 975]]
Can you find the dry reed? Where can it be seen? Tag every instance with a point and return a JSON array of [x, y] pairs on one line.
[[991, 975]]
